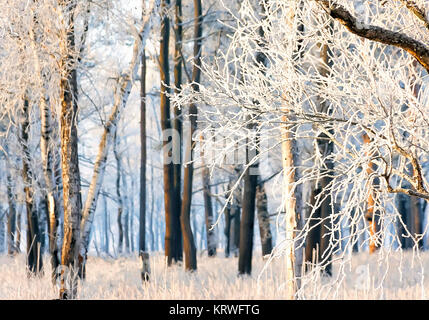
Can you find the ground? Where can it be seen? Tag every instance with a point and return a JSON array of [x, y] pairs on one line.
[[393, 275]]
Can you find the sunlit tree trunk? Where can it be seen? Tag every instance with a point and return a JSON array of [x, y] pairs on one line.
[[70, 164], [371, 214]]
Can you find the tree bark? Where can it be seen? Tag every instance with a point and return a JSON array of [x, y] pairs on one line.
[[248, 213], [11, 218], [47, 161], [188, 238], [143, 160], [171, 235], [371, 214], [70, 163], [250, 179], [34, 257], [177, 126], [106, 226], [227, 230], [208, 207], [118, 194], [235, 216], [417, 49], [264, 221]]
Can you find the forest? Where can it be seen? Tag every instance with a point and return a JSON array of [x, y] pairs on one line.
[[203, 149]]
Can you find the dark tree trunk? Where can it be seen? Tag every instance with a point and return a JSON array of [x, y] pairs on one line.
[[312, 244], [416, 219], [317, 244], [11, 218], [18, 229], [171, 232], [264, 220], [327, 147], [227, 230], [118, 195], [177, 126], [188, 238], [248, 216], [404, 210], [235, 215], [234, 210], [106, 226], [317, 248], [34, 258], [152, 209]]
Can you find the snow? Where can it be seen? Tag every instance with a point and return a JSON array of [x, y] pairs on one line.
[[216, 278]]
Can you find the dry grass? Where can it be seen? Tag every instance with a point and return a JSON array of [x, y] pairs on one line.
[[402, 276]]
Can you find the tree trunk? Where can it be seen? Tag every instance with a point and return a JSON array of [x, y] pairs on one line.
[[131, 215], [235, 216], [34, 258], [152, 209], [18, 230], [371, 215], [70, 168], [264, 220], [312, 244], [248, 214], [11, 218], [47, 160], [171, 235], [250, 180], [208, 208], [403, 204], [416, 214], [2, 233], [106, 226], [143, 160], [118, 194], [227, 230], [177, 126], [185, 220], [291, 207]]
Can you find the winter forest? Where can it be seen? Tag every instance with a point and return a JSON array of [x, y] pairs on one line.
[[204, 149]]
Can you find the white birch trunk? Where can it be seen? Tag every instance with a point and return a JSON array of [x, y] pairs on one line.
[[289, 202]]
